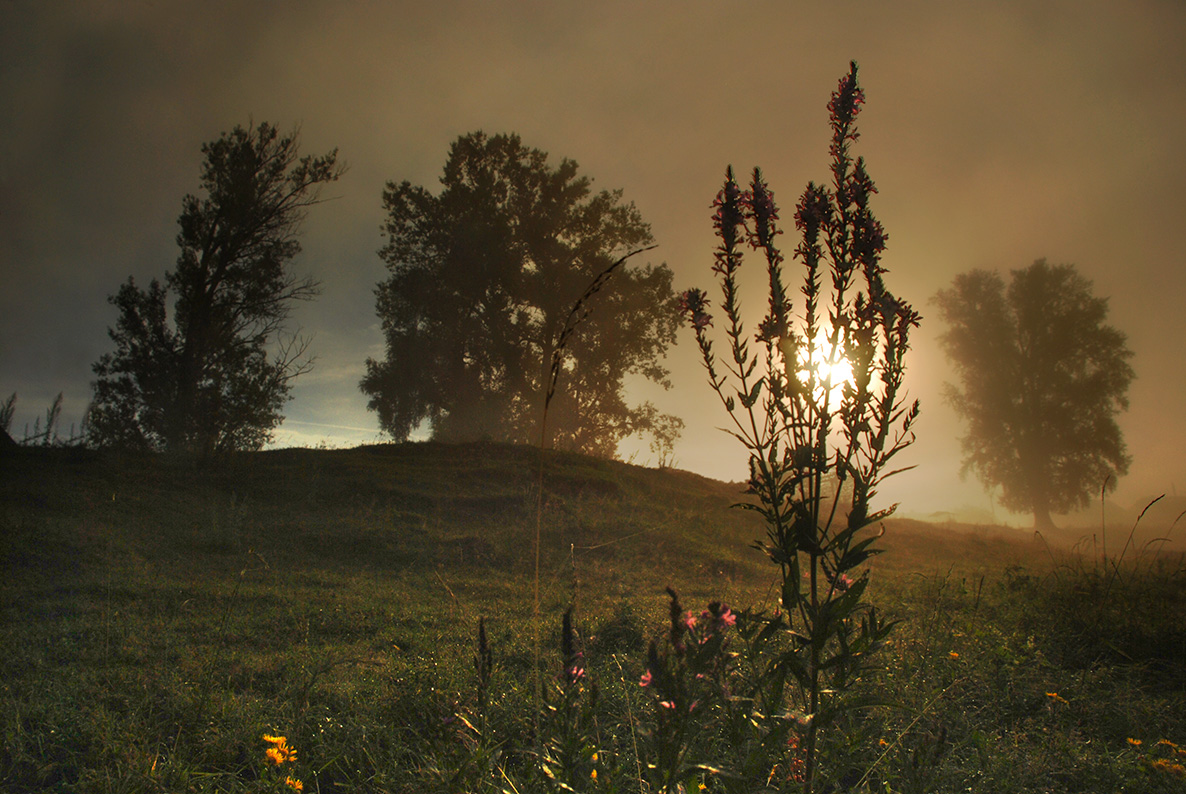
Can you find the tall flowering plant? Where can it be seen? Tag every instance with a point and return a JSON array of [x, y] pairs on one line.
[[816, 397], [568, 759], [687, 686]]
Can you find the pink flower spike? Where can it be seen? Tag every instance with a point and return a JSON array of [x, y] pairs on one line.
[[667, 704], [693, 304], [646, 679]]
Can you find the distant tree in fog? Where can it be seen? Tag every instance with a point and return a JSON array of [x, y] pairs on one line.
[[484, 275], [1042, 378], [214, 377]]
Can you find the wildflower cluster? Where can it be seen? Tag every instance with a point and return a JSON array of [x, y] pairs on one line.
[[687, 684], [568, 758], [280, 753], [693, 304], [792, 769], [819, 443], [1163, 758]]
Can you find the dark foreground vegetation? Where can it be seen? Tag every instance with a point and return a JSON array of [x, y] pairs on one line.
[[159, 621]]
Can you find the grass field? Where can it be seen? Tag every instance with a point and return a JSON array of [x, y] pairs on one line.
[[159, 620]]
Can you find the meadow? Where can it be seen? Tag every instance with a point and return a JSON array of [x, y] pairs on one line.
[[159, 620]]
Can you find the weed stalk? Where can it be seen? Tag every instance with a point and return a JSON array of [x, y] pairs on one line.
[[579, 311], [819, 407]]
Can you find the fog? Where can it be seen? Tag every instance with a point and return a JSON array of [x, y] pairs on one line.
[[997, 134]]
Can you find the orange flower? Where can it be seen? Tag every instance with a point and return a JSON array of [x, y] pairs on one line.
[[280, 751], [294, 784], [1162, 765], [1134, 742]]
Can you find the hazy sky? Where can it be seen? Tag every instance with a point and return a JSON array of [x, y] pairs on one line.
[[997, 133]]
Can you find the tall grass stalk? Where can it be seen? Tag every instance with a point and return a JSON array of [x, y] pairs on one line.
[[576, 315]]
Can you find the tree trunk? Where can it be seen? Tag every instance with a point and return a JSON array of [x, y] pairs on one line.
[[1042, 519]]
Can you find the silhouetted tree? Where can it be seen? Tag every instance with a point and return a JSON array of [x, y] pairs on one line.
[[7, 409], [1042, 379], [214, 378], [484, 276]]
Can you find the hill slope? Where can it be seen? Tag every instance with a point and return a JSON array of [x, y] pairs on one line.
[[419, 506], [383, 507]]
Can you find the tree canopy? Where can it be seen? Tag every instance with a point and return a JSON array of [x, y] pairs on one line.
[[214, 377], [1042, 378], [483, 277]]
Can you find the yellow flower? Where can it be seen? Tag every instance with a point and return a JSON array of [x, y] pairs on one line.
[[594, 757], [280, 752], [1134, 742], [1057, 698], [294, 784], [593, 774]]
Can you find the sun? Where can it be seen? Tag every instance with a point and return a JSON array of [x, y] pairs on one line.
[[838, 372], [831, 372]]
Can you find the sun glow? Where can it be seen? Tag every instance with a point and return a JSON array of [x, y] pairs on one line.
[[831, 372]]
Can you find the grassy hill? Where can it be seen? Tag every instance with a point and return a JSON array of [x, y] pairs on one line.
[[160, 618], [384, 509]]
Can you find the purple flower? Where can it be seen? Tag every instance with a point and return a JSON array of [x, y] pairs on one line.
[[692, 304], [846, 100], [765, 212], [814, 210], [727, 205]]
